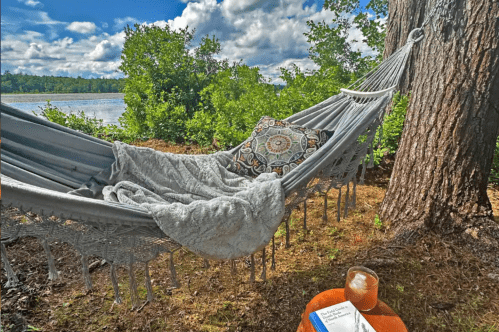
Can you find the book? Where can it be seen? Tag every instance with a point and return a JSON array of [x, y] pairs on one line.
[[341, 317]]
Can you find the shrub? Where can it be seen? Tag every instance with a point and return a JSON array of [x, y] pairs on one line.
[[391, 130], [85, 124]]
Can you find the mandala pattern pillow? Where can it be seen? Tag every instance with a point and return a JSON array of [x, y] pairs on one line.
[[277, 146]]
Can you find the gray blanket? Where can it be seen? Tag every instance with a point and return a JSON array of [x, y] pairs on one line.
[[197, 202]]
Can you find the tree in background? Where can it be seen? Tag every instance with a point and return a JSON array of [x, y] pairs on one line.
[[233, 103], [330, 42], [439, 181], [22, 83], [164, 79]]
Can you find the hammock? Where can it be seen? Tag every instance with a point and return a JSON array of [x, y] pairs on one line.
[[59, 174]]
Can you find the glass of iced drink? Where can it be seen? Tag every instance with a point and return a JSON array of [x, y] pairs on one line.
[[361, 288]]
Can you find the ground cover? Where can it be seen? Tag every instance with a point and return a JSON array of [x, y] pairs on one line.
[[434, 285]]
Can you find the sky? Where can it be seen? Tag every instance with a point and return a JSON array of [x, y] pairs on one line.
[[85, 37]]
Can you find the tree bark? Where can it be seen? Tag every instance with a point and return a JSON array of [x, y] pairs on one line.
[[439, 180]]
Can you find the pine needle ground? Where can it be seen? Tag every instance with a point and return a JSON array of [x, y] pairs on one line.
[[433, 285]]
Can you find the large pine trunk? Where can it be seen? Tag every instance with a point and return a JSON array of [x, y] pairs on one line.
[[439, 180]]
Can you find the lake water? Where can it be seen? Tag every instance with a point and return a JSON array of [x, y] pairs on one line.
[[108, 110]]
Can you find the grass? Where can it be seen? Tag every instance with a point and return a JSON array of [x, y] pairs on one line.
[[416, 281]]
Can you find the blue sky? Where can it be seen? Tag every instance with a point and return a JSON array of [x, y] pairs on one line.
[[85, 37]]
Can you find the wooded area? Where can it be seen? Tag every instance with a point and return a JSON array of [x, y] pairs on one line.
[[23, 83]]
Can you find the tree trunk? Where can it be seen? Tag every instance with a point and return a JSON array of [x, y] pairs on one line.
[[439, 180]]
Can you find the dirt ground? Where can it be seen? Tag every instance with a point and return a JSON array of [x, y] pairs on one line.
[[433, 285]]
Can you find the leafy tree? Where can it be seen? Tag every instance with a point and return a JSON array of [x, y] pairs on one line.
[[233, 103], [330, 46], [164, 79], [303, 89], [21, 83]]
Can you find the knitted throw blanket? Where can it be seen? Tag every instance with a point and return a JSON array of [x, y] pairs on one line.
[[197, 202]]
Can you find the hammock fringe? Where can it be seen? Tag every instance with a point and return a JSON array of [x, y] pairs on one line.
[[53, 274], [114, 281], [150, 293], [12, 280]]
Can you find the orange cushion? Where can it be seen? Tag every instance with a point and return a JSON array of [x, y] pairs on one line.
[[381, 317]]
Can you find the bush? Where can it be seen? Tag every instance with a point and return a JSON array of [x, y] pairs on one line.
[[391, 130], [164, 79], [85, 124]]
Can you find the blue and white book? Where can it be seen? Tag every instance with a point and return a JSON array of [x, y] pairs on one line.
[[341, 317]]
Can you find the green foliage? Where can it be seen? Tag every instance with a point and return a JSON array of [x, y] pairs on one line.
[[391, 131], [330, 45], [164, 79], [377, 222], [22, 83], [333, 253], [394, 123], [233, 103], [239, 96], [53, 114], [494, 172], [78, 121], [85, 124]]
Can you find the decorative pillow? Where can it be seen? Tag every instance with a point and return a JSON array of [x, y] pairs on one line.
[[277, 146]]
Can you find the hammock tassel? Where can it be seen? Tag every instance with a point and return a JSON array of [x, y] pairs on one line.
[[287, 232], [206, 263], [338, 214], [86, 273], [304, 215], [324, 216], [134, 293], [150, 293], [371, 159], [52, 270], [114, 281], [264, 266], [363, 171], [233, 267], [12, 280], [345, 215], [354, 196], [173, 273], [252, 273], [272, 267]]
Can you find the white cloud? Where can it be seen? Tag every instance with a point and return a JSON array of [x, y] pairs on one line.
[[267, 34], [120, 23], [82, 27], [42, 18], [105, 51], [36, 52], [32, 3], [31, 35], [273, 71]]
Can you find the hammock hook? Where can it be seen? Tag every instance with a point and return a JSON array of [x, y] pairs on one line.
[[415, 35]]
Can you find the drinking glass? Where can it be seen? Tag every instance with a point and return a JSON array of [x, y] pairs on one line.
[[361, 288]]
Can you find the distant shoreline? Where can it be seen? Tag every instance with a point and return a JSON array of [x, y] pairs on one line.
[[39, 97]]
